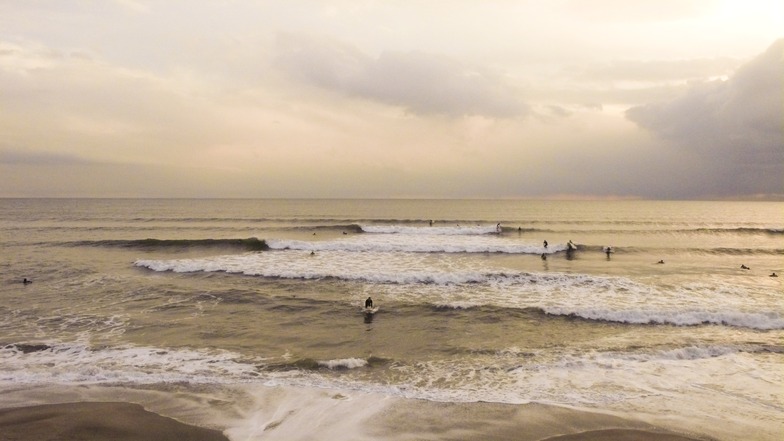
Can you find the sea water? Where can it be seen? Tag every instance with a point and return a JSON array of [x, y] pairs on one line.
[[255, 294]]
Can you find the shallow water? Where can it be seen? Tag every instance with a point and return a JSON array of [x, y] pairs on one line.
[[145, 292]]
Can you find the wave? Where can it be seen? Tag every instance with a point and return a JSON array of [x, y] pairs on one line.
[[756, 320], [456, 230], [580, 296], [56, 362], [422, 244], [376, 271], [695, 317], [310, 364], [249, 244], [720, 251]]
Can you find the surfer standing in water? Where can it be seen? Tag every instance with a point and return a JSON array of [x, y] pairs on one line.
[[368, 303]]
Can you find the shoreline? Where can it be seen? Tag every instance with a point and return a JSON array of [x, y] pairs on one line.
[[174, 412], [97, 421]]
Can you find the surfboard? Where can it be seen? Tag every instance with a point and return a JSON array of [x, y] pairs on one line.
[[370, 310]]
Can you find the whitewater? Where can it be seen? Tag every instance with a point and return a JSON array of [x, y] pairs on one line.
[[253, 302]]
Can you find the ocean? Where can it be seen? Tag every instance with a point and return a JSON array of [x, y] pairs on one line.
[[223, 304]]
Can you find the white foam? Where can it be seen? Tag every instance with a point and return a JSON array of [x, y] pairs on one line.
[[762, 321], [79, 363], [294, 414], [466, 282], [345, 363], [455, 230], [418, 244]]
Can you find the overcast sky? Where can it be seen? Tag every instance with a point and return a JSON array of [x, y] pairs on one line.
[[660, 99]]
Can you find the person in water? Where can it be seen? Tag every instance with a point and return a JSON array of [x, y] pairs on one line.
[[368, 303], [27, 281], [545, 244], [774, 275], [744, 267]]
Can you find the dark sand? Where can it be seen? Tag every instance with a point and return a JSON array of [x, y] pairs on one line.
[[96, 422]]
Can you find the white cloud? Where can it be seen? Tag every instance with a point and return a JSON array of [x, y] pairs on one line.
[[419, 82]]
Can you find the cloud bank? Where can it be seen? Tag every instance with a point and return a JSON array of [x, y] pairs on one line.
[[421, 83], [734, 128]]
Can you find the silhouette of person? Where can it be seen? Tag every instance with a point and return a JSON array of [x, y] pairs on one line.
[[27, 281], [368, 303], [545, 244]]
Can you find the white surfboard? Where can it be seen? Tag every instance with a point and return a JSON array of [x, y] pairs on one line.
[[372, 310]]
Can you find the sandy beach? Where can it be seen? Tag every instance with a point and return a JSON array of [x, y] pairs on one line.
[[395, 420], [96, 421]]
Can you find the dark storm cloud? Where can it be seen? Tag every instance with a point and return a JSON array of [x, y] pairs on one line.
[[421, 83], [733, 127]]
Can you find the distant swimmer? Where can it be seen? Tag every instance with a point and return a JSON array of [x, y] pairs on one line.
[[368, 303], [660, 262], [744, 267], [312, 253], [26, 281], [773, 275], [545, 244]]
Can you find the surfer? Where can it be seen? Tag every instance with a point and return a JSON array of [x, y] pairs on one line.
[[26, 281], [544, 256], [570, 246], [608, 250], [498, 227], [774, 275], [368, 303], [742, 266], [660, 262], [545, 244]]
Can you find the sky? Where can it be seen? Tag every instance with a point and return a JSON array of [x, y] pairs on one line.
[[557, 99]]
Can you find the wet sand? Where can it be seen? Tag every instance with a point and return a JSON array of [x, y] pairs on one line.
[[400, 420], [411, 420], [96, 422]]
